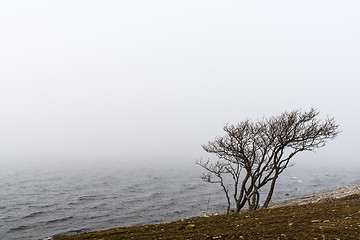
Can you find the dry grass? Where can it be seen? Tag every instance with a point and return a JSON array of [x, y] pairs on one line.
[[336, 219]]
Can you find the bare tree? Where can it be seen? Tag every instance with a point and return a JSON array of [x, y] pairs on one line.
[[254, 154]]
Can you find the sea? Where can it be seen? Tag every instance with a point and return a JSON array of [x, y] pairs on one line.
[[39, 201]]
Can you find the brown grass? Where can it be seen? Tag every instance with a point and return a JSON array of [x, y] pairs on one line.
[[333, 219]]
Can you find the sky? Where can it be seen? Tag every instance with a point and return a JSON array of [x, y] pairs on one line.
[[151, 81]]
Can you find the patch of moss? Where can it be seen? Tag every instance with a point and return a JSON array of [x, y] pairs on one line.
[[334, 219]]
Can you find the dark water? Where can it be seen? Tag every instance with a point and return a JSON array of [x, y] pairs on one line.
[[37, 202]]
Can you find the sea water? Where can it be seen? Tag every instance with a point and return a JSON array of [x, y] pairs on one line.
[[38, 202]]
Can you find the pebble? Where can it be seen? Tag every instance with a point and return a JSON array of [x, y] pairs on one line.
[[283, 236]]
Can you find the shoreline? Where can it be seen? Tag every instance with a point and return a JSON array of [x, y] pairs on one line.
[[324, 195], [336, 216], [323, 202]]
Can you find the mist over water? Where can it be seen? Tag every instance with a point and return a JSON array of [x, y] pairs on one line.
[[153, 80], [42, 201]]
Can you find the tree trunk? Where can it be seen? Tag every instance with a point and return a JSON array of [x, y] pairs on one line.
[[241, 202], [226, 194], [257, 200], [229, 203], [271, 191]]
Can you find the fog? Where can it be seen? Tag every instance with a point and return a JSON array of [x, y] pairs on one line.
[[150, 81]]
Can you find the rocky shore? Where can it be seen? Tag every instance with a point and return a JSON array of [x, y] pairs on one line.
[[353, 189]]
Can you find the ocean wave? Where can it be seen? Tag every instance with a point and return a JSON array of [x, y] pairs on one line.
[[155, 195], [48, 205], [59, 220], [77, 231], [295, 179], [34, 214], [98, 206], [87, 198], [19, 228]]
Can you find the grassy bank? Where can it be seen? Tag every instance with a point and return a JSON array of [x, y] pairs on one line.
[[332, 219]]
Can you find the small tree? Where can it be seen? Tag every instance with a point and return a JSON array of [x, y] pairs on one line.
[[254, 154]]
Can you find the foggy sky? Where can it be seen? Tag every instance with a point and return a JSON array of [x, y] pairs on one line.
[[153, 80]]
